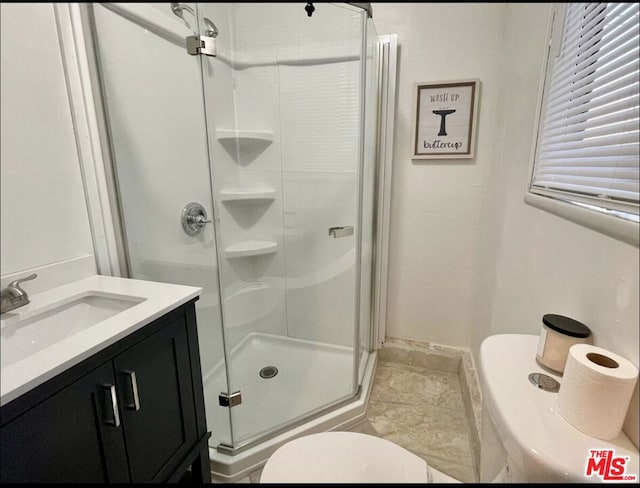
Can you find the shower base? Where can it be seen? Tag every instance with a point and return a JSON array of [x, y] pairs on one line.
[[308, 375]]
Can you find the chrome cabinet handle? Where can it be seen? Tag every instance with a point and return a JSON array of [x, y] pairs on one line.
[[115, 422], [135, 405], [338, 232]]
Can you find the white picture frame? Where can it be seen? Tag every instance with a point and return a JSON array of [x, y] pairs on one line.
[[444, 125]]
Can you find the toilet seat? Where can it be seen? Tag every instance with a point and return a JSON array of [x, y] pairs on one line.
[[343, 457]]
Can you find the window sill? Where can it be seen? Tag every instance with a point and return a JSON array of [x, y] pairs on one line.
[[610, 225]]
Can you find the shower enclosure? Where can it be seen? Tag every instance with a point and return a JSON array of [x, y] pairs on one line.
[[249, 170]]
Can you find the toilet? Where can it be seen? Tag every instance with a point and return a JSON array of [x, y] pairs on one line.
[[347, 457], [524, 437]]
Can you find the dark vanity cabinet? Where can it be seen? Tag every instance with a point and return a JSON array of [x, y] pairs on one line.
[[133, 412]]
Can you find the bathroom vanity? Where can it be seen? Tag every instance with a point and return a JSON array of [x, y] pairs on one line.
[[120, 400]]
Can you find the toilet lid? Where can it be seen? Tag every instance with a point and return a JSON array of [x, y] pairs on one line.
[[343, 457]]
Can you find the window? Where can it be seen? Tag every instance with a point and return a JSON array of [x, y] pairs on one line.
[[587, 149]]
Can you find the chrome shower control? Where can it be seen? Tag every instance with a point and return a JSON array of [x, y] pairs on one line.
[[193, 218]]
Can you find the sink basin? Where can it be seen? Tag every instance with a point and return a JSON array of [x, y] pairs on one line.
[[66, 324], [25, 333]]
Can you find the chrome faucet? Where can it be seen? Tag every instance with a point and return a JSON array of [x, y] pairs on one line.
[[13, 296]]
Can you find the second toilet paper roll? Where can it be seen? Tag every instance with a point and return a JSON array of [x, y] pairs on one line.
[[596, 390]]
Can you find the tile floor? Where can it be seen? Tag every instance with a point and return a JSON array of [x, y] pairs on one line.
[[422, 410]]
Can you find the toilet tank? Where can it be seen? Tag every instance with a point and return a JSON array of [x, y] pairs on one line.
[[524, 438]]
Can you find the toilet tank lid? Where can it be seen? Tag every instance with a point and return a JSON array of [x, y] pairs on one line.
[[527, 417]]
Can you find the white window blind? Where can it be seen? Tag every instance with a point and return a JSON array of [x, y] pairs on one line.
[[588, 139]]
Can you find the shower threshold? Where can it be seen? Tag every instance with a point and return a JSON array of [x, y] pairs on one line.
[[308, 373]]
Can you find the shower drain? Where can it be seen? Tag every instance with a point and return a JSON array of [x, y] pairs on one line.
[[268, 372]]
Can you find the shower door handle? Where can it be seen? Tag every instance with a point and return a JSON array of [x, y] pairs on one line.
[[338, 232]]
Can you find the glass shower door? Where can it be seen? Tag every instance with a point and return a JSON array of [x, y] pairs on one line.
[[154, 106], [284, 111]]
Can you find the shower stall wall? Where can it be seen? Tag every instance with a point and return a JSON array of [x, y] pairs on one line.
[[252, 174]]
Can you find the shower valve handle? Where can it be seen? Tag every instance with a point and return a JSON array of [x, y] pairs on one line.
[[193, 218], [198, 220]]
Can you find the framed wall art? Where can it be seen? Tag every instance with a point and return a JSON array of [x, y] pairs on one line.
[[445, 119]]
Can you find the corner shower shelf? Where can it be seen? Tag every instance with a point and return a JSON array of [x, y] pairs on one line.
[[247, 194], [251, 248], [248, 135]]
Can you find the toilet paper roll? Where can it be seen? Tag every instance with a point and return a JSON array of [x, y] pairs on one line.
[[596, 390]]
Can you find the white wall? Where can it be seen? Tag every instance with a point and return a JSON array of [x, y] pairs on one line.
[[44, 219], [543, 263], [436, 205], [547, 264], [468, 257]]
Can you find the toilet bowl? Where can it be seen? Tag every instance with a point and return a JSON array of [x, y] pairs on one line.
[[524, 437], [347, 457]]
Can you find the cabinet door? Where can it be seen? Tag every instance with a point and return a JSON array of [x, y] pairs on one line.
[[72, 436], [154, 385]]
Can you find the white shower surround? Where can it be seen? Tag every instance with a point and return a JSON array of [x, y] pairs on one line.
[[314, 182]]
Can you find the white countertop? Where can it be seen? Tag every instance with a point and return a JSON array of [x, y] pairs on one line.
[[159, 298]]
